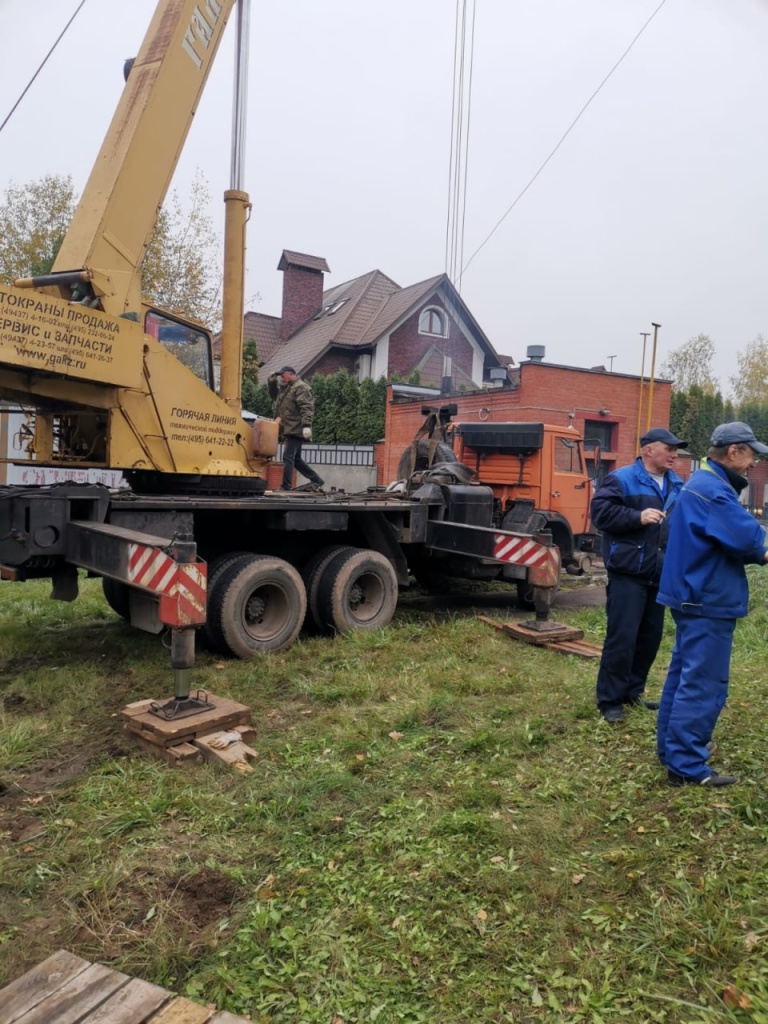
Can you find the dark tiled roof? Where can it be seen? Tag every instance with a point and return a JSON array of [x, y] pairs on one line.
[[354, 315], [302, 259], [265, 331]]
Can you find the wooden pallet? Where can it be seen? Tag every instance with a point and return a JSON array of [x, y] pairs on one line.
[[565, 639], [184, 741], [65, 989]]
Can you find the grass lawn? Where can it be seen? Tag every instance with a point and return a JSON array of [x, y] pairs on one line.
[[439, 828]]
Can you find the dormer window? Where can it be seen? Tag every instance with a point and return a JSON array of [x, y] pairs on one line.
[[432, 320], [332, 307]]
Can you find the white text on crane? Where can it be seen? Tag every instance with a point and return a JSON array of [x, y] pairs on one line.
[[200, 30]]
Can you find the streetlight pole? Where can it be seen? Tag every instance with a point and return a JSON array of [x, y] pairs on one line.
[[653, 368], [644, 335]]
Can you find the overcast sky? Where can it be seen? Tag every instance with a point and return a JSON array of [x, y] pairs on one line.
[[655, 208]]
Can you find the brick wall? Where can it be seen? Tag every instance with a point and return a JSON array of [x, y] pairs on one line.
[[302, 297], [333, 361], [407, 347], [546, 393]]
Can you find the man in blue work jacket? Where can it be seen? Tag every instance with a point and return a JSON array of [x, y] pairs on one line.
[[712, 537], [630, 508]]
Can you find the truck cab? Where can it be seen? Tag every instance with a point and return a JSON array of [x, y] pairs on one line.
[[536, 472]]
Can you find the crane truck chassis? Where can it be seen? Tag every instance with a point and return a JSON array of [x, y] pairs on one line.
[[270, 563], [109, 382]]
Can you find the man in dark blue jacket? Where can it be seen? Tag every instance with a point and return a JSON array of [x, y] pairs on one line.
[[712, 537], [630, 508]]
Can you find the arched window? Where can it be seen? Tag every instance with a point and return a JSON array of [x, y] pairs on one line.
[[432, 320]]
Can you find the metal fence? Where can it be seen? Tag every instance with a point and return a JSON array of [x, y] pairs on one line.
[[335, 454]]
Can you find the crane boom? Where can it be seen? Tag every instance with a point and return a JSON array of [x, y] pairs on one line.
[[118, 208], [107, 380]]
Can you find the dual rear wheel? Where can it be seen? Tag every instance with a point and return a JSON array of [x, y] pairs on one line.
[[257, 603]]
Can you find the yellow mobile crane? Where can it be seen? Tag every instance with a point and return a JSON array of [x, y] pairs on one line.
[[197, 544], [80, 345]]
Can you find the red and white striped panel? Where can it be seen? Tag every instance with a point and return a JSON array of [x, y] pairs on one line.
[[184, 604], [521, 550], [150, 568], [181, 586]]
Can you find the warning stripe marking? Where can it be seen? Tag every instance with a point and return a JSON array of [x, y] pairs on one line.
[[520, 550]]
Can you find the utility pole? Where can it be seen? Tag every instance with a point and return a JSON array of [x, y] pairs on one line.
[[644, 335], [653, 368]]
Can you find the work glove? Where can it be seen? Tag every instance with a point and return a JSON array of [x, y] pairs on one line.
[[307, 433]]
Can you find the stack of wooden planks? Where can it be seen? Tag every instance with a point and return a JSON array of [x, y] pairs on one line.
[[65, 989]]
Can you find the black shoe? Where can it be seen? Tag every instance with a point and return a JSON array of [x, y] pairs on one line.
[[715, 779], [612, 715], [641, 702]]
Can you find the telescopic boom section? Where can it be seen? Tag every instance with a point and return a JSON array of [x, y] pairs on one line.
[[118, 209]]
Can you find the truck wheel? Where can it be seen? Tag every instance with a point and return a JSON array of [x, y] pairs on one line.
[[258, 605], [443, 453], [358, 590], [117, 596], [312, 574], [216, 569]]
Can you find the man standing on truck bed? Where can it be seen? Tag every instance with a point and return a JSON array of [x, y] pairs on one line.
[[294, 406], [630, 508]]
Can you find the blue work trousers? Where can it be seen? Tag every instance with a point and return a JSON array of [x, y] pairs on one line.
[[694, 693], [635, 623]]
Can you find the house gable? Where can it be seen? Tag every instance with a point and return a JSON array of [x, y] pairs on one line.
[[371, 326]]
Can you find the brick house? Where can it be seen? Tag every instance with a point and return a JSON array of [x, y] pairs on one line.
[[605, 407], [372, 327]]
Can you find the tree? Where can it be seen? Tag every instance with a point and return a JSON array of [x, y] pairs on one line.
[[750, 385], [371, 411], [255, 396], [694, 415], [181, 271], [33, 221], [690, 365]]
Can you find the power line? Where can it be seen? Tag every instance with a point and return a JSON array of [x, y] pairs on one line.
[[563, 137], [45, 61], [461, 98]]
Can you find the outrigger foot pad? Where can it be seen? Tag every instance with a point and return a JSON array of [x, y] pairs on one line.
[[182, 707]]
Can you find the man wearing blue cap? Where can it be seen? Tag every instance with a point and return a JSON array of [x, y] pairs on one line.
[[712, 537], [630, 508]]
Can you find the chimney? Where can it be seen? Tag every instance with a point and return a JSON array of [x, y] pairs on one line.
[[536, 353], [302, 289]]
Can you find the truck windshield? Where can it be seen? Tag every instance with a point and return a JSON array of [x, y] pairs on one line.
[[190, 345]]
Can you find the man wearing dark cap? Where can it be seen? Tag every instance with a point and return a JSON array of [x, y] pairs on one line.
[[294, 410], [704, 584], [630, 509]]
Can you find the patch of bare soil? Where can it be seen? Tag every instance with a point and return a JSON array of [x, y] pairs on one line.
[[186, 904]]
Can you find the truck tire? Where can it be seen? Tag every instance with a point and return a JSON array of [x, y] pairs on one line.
[[117, 596], [443, 453], [258, 605], [216, 569], [357, 591], [312, 574]]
